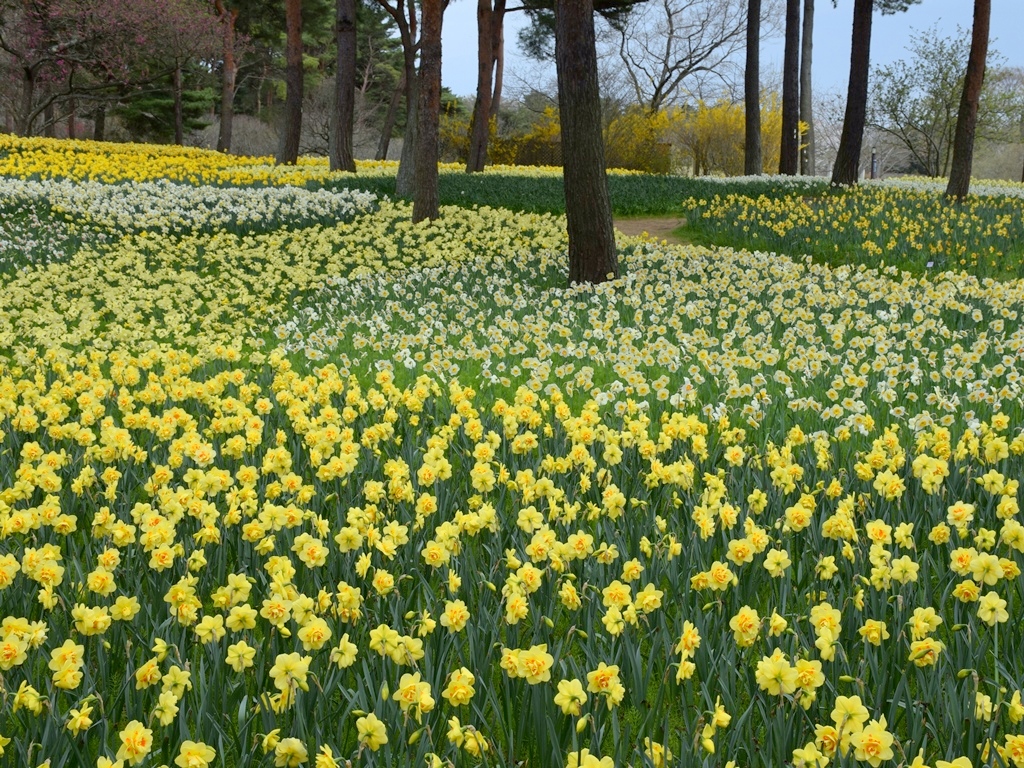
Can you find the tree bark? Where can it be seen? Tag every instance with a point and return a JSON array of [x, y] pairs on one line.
[[48, 119], [479, 124], [389, 120], [807, 153], [588, 210], [228, 78], [99, 122], [293, 83], [72, 108], [789, 153], [28, 95], [489, 22], [342, 157], [752, 163], [179, 112], [967, 117], [426, 202], [405, 179], [847, 167], [499, 65]]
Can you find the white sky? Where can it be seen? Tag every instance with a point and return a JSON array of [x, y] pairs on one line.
[[832, 29]]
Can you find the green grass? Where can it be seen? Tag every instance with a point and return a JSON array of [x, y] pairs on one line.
[[632, 195]]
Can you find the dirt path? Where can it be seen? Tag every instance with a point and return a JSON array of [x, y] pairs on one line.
[[658, 228]]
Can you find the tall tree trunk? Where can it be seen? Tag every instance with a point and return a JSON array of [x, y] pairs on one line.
[[499, 63], [342, 158], [588, 210], [806, 102], [179, 112], [789, 153], [489, 22], [426, 202], [479, 123], [228, 78], [752, 164], [72, 108], [28, 96], [967, 117], [293, 83], [48, 118], [99, 122], [405, 179], [847, 167], [389, 120]]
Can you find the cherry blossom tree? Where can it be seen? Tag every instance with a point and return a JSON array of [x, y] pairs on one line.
[[56, 51]]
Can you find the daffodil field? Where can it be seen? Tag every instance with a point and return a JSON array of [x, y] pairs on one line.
[[904, 221], [286, 480]]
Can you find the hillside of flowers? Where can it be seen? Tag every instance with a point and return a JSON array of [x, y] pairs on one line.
[[286, 480]]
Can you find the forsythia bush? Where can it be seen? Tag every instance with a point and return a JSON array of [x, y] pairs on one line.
[[638, 139], [711, 136]]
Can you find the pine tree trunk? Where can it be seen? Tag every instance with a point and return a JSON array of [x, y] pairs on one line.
[[789, 153], [341, 151], [488, 82], [499, 62], [847, 167], [752, 163], [479, 124], [588, 211], [228, 78], [179, 112], [293, 83], [48, 118], [389, 120], [28, 95], [807, 153], [967, 117], [426, 203], [405, 179], [99, 122]]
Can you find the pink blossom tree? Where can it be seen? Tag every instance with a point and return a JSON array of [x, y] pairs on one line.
[[56, 51]]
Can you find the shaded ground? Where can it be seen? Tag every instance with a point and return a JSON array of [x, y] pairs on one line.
[[658, 227]]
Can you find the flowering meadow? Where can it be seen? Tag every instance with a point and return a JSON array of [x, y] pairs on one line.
[[286, 480], [901, 221]]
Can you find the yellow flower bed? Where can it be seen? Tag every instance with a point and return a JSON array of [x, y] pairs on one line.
[[291, 564], [82, 160], [197, 291], [904, 222], [394, 495]]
